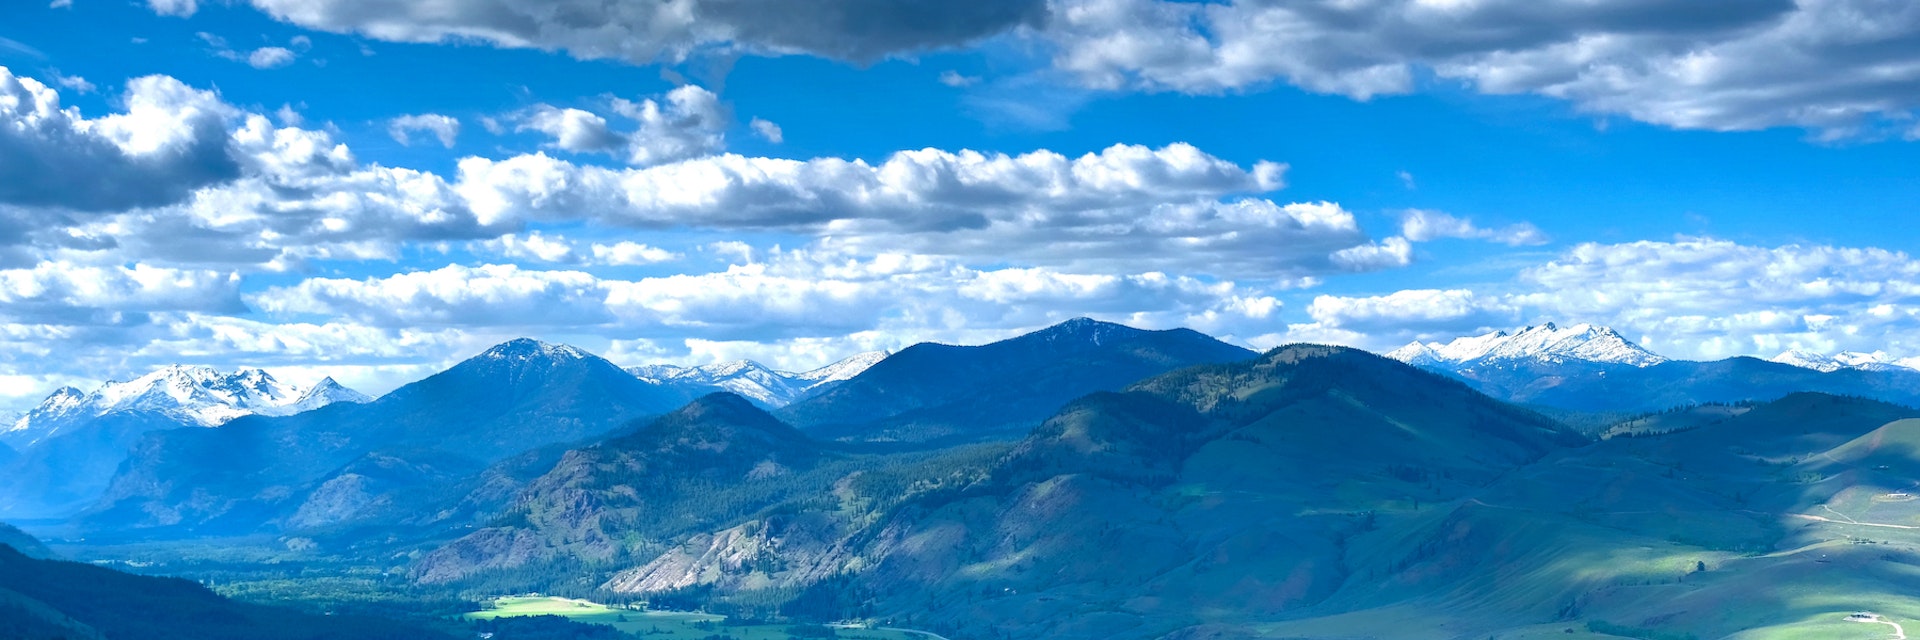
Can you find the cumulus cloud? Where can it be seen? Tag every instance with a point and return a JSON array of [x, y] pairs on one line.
[[179, 8], [928, 188], [294, 195], [1386, 254], [270, 57], [1420, 225], [444, 128], [169, 140], [538, 247], [1690, 298], [1449, 311], [1719, 65], [1172, 208], [954, 79], [767, 131], [60, 293], [645, 32], [687, 122], [797, 294]]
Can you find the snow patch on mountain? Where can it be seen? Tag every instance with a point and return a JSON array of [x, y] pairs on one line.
[[1544, 343], [755, 381], [843, 370], [1876, 361], [194, 395]]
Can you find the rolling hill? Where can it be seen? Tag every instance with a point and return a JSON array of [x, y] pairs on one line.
[[934, 392], [1223, 488], [55, 600]]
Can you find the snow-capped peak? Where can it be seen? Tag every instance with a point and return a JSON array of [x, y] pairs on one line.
[[1543, 343], [756, 381], [520, 349], [1415, 353], [845, 369], [326, 392], [1876, 361], [193, 395]]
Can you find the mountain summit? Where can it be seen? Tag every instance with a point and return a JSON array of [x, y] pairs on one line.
[[1545, 343], [1845, 360], [191, 395], [935, 391], [756, 381]]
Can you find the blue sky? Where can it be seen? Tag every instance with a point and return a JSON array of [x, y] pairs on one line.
[[372, 190]]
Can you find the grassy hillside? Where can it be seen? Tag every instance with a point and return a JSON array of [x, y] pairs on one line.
[[1776, 523], [53, 599], [1225, 494], [22, 542]]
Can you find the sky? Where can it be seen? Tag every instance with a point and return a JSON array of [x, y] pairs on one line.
[[375, 189]]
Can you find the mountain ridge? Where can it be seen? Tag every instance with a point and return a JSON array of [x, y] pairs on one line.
[[201, 396], [930, 392], [1541, 343], [758, 382]]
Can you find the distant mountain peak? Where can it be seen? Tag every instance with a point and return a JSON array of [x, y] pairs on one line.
[[1083, 329], [720, 401], [529, 348], [1876, 361], [192, 394], [1546, 342], [845, 369], [326, 392], [757, 381]]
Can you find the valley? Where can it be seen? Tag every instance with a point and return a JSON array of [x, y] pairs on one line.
[[1309, 491]]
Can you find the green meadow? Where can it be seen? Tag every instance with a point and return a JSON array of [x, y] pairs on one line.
[[667, 625]]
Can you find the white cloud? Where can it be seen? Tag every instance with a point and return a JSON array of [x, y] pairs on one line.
[[688, 122], [1728, 65], [1691, 298], [61, 293], [1448, 311], [767, 131], [445, 128], [1420, 225], [179, 8], [953, 79], [796, 294], [573, 129], [1389, 253], [538, 247], [76, 83], [630, 254], [289, 116], [1162, 209], [270, 57]]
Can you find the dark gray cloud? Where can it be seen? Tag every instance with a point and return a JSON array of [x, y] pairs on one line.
[[171, 140], [869, 29], [649, 31], [1841, 67]]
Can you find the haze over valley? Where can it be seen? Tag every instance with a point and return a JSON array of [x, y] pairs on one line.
[[981, 320]]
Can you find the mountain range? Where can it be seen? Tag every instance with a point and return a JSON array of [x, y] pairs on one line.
[[1087, 480], [1592, 375], [198, 396], [1846, 360], [66, 450], [757, 382], [934, 392]]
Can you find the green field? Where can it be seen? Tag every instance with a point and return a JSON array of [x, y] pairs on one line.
[[665, 625]]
